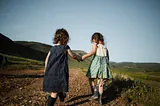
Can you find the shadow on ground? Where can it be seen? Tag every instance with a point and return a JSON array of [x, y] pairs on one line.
[[20, 76], [115, 89], [111, 92], [78, 97]]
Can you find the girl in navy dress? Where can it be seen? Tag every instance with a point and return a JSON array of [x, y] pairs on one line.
[[56, 67]]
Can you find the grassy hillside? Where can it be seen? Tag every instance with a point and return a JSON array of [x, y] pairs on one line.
[[7, 46], [35, 45], [136, 82], [33, 51], [144, 67], [146, 72], [134, 91], [20, 63], [45, 48], [20, 54], [75, 64], [146, 81]]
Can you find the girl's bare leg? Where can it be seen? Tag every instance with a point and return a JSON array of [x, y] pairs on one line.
[[92, 84], [54, 95], [91, 81], [101, 86], [100, 90]]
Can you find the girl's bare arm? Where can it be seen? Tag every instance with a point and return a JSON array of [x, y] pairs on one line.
[[72, 55], [94, 49], [46, 61]]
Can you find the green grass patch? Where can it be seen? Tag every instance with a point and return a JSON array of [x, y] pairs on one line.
[[23, 67], [154, 74], [20, 63], [75, 64], [145, 89], [139, 75], [143, 94]]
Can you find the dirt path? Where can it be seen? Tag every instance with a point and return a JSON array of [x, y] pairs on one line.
[[28, 92]]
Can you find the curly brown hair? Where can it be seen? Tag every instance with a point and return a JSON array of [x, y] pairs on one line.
[[61, 36], [98, 37]]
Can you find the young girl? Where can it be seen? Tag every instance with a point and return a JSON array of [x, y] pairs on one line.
[[56, 67], [99, 66]]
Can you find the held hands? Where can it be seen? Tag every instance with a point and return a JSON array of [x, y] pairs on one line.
[[78, 58], [81, 58]]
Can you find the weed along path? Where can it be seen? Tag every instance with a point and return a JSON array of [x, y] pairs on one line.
[[27, 91]]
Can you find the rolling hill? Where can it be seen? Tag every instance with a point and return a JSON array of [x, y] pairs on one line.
[[45, 48], [145, 77], [38, 51], [141, 67], [35, 45], [34, 51], [7, 46]]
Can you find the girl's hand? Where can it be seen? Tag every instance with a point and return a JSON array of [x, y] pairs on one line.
[[78, 58], [93, 52], [83, 57], [74, 56]]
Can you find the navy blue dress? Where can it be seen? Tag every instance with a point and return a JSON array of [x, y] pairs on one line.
[[56, 76]]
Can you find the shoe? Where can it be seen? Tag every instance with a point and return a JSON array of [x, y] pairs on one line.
[[95, 96], [100, 100]]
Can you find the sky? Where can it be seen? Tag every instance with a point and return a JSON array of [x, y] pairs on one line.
[[131, 28]]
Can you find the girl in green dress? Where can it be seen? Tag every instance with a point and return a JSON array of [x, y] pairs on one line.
[[99, 66]]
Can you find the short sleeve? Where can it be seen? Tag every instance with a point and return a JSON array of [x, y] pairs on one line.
[[67, 47], [94, 43], [52, 49]]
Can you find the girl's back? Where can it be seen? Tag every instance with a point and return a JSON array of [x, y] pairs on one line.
[[58, 57], [101, 50], [57, 70]]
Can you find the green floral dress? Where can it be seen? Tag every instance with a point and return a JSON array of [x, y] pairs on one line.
[[99, 66]]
